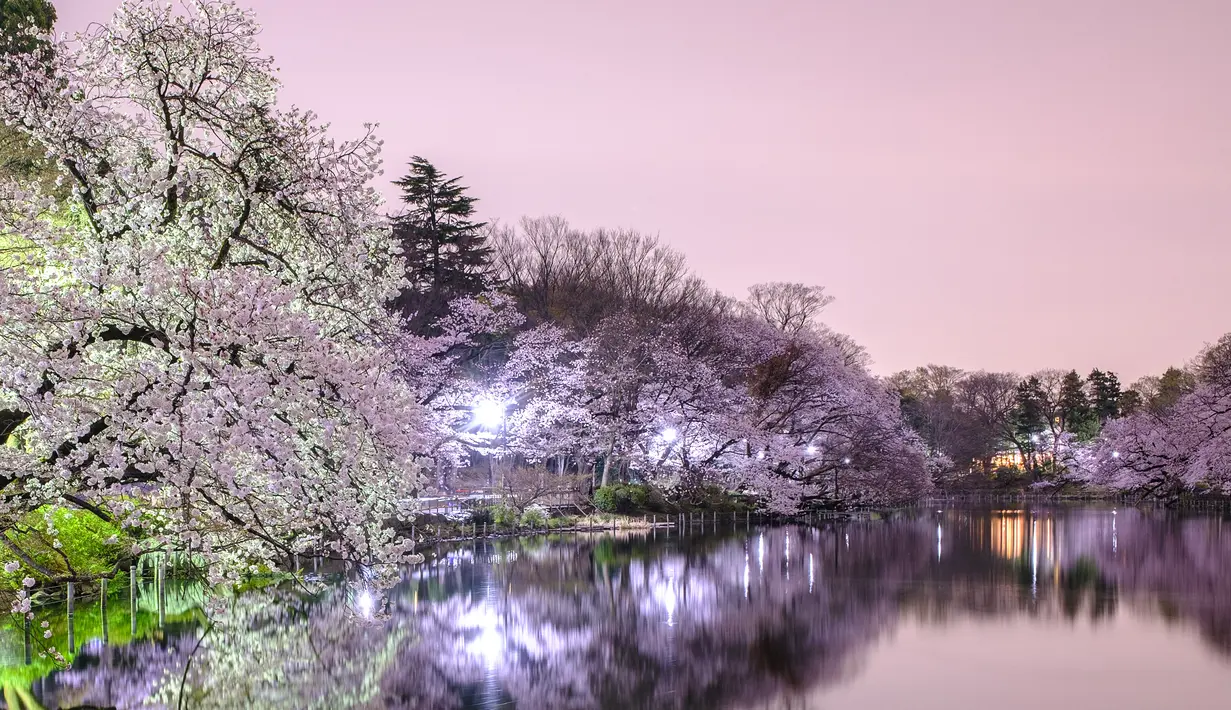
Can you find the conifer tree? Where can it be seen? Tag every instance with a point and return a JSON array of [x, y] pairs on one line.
[[1029, 420], [1076, 414], [446, 252], [1104, 394]]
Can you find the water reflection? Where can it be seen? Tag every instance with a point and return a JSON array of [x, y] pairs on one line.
[[737, 618]]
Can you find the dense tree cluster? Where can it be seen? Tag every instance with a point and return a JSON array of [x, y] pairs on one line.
[[1165, 436], [1179, 441], [671, 382], [211, 332], [976, 417]]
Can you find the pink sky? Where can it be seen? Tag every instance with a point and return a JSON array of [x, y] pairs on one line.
[[996, 184]]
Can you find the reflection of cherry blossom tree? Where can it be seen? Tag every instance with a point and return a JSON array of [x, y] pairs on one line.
[[278, 650], [731, 619]]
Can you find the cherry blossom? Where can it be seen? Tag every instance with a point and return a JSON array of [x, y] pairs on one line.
[[203, 323]]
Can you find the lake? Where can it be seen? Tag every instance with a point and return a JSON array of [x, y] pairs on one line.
[[955, 608]]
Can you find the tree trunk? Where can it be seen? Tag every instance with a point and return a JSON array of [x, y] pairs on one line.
[[607, 463]]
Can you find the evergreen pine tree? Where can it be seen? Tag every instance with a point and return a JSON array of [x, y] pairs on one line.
[[1029, 420], [1104, 394], [1076, 414], [1131, 402], [446, 253], [1173, 384]]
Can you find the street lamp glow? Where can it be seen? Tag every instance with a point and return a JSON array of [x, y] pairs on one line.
[[365, 604], [488, 413], [847, 460], [1115, 454], [670, 434], [811, 449]]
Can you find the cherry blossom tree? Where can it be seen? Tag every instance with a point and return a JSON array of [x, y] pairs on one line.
[[1166, 452], [197, 341]]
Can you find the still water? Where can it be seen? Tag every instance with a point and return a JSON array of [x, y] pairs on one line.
[[957, 608]]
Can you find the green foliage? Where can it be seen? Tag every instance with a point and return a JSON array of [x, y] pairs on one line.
[[1174, 383], [15, 20], [1076, 415], [718, 499], [504, 516], [622, 498], [88, 547], [534, 517], [19, 159]]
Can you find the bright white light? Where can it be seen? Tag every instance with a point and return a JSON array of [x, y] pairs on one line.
[[846, 460], [1115, 454], [667, 595], [365, 604], [670, 434], [811, 449], [1034, 438], [488, 413], [489, 643], [760, 454], [1034, 556]]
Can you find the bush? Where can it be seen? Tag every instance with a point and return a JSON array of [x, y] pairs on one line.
[[606, 498], [622, 498], [534, 517], [504, 516], [482, 516]]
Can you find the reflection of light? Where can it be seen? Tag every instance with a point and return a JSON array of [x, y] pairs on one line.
[[488, 645], [747, 575], [1008, 531], [365, 604], [666, 594], [761, 553], [811, 572], [670, 434], [1034, 556], [848, 541], [940, 534]]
